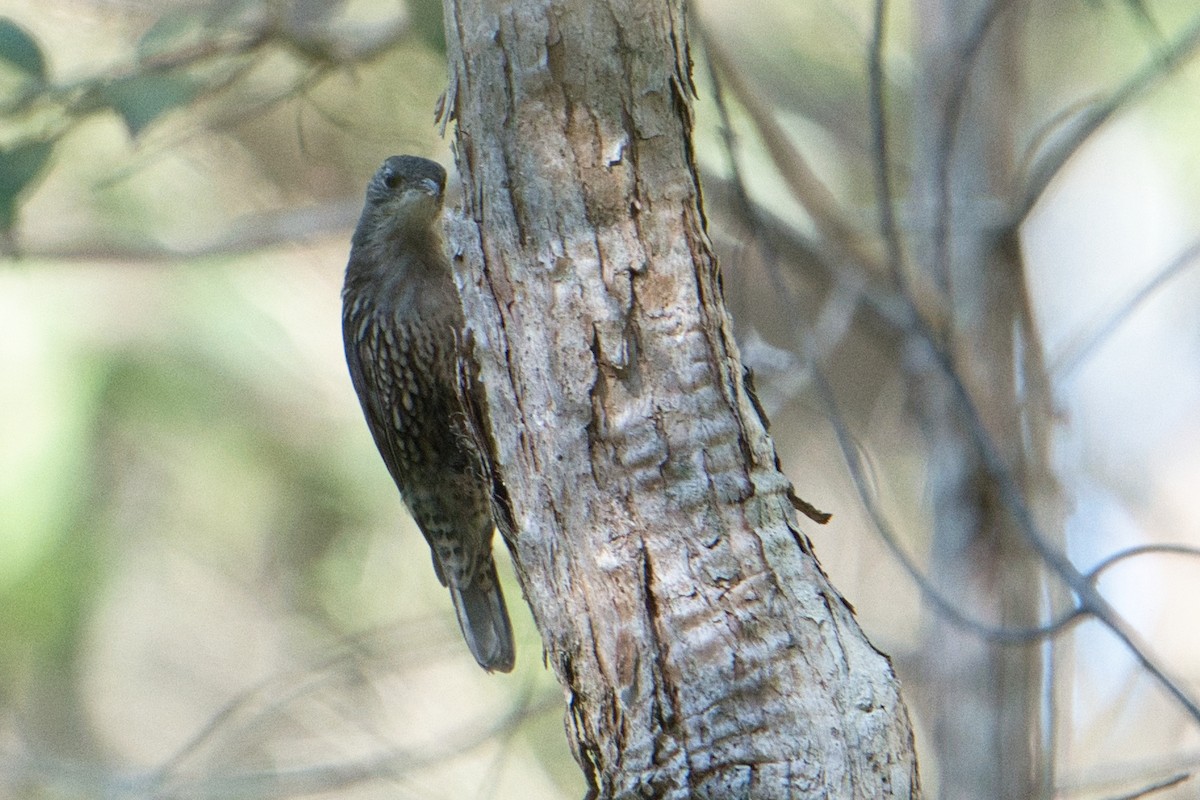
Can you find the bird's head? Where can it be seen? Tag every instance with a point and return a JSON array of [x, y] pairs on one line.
[[405, 196]]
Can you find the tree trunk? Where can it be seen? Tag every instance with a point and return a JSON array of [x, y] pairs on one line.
[[984, 715], [702, 651]]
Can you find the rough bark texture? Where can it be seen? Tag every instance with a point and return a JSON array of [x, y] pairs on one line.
[[702, 651]]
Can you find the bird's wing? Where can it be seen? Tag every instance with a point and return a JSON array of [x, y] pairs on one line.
[[371, 373], [476, 432]]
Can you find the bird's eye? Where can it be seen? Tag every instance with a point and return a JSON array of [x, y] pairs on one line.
[[390, 178]]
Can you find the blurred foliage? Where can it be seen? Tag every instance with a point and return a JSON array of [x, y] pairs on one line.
[[208, 582], [20, 50]]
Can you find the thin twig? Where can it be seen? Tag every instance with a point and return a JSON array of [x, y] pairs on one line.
[[879, 138], [1077, 355], [1143, 550], [941, 604], [388, 764], [741, 192], [1090, 599], [1146, 791], [806, 187], [1051, 162], [251, 233], [945, 607], [883, 315], [266, 699]]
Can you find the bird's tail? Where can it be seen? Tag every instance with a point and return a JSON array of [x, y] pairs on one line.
[[483, 618]]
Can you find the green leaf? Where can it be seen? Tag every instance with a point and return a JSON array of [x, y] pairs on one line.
[[171, 29], [19, 167], [20, 50], [425, 16], [141, 99]]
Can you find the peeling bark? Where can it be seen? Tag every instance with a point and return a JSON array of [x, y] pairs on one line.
[[702, 650]]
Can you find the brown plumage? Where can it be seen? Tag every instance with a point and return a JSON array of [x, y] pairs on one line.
[[401, 320]]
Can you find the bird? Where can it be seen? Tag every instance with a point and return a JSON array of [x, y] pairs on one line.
[[402, 324]]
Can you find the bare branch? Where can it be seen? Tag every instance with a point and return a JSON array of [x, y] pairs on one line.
[[808, 189], [387, 764], [1090, 602], [1142, 550], [272, 699], [948, 136], [1090, 599], [1051, 162], [941, 604], [249, 234], [885, 196], [741, 194], [1165, 783], [882, 307], [1076, 355]]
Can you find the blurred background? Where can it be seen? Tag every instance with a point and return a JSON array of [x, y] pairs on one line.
[[208, 585]]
